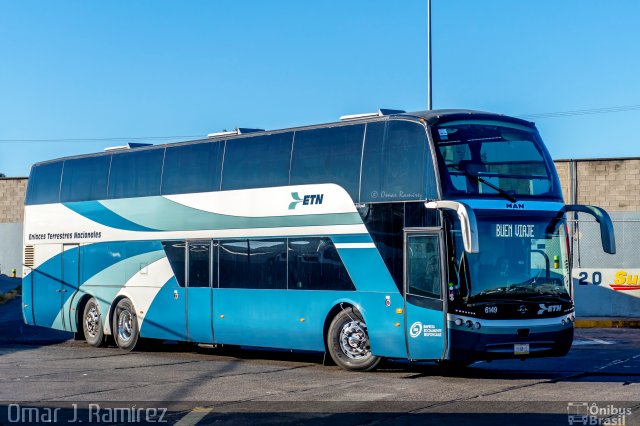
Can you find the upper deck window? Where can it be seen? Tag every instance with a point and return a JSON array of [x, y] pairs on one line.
[[136, 174], [85, 179], [44, 183], [493, 157], [397, 164], [257, 162], [328, 155], [192, 168]]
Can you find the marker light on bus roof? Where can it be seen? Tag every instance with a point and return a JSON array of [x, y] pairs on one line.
[[380, 113], [130, 145], [238, 131]]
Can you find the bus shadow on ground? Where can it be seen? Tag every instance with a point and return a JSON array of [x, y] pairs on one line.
[[16, 334]]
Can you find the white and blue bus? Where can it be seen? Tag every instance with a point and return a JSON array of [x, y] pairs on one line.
[[436, 235]]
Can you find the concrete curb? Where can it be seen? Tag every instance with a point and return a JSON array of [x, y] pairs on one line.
[[607, 323]]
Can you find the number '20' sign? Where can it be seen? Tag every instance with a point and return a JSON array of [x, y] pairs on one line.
[[596, 278]]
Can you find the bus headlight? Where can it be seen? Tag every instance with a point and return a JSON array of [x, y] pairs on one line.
[[469, 324], [458, 321], [477, 326]]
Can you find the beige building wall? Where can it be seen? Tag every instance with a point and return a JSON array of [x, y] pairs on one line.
[[613, 184], [12, 192]]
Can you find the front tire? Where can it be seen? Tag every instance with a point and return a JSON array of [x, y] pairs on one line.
[[92, 324], [125, 325], [348, 342]]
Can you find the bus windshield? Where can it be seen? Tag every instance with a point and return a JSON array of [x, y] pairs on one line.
[[519, 258], [493, 158]]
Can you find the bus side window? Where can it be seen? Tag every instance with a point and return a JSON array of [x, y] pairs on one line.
[[199, 264], [423, 275], [136, 173], [314, 264], [328, 155], [44, 183], [85, 179], [192, 168], [396, 163], [234, 262], [175, 251], [268, 264], [257, 162]]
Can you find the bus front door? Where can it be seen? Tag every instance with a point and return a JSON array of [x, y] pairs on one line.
[[202, 255], [424, 305]]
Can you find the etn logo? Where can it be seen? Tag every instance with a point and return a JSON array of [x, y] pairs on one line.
[[306, 200]]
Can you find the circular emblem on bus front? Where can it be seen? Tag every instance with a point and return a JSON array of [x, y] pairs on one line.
[[416, 329], [523, 309]]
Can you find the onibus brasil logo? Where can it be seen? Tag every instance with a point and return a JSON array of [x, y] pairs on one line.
[[306, 200]]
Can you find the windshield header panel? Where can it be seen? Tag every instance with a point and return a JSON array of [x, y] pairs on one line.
[[492, 158]]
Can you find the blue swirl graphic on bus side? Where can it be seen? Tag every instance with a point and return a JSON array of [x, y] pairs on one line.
[[151, 214], [95, 211]]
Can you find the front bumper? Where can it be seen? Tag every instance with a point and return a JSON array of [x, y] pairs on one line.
[[499, 339]]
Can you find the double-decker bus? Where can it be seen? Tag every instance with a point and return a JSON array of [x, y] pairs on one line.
[[436, 235]]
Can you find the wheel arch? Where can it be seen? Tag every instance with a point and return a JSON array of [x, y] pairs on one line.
[[337, 307], [79, 313], [121, 295]]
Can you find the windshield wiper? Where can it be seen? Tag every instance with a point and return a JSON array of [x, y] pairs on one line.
[[500, 191], [554, 295]]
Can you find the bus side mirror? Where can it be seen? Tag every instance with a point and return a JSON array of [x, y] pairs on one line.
[[468, 223], [603, 218]]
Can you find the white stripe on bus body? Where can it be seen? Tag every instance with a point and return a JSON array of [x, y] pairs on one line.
[[355, 245], [144, 286], [265, 202]]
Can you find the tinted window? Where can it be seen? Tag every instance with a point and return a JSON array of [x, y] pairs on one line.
[[423, 274], [85, 179], [234, 258], [393, 165], [476, 157], [199, 266], [192, 168], [175, 251], [385, 223], [258, 264], [268, 264], [44, 184], [256, 162], [314, 264], [136, 174], [330, 155]]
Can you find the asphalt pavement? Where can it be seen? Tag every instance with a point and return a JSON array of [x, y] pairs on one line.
[[599, 381]]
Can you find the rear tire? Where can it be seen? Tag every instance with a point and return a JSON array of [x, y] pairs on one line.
[[125, 325], [92, 324], [348, 342]]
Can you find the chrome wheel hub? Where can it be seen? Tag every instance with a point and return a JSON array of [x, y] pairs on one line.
[[354, 341], [92, 321], [125, 326]]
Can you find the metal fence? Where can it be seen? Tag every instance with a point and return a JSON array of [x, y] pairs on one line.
[[587, 247]]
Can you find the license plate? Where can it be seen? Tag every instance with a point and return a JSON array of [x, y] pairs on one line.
[[521, 349]]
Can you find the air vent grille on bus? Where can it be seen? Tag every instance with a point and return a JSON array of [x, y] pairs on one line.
[[29, 256]]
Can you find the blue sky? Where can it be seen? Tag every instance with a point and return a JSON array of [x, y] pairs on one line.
[[89, 70]]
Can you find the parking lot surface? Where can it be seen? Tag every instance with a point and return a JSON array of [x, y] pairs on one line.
[[44, 368]]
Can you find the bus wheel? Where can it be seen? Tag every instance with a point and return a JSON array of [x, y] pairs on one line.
[[348, 342], [92, 324], [125, 325]]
